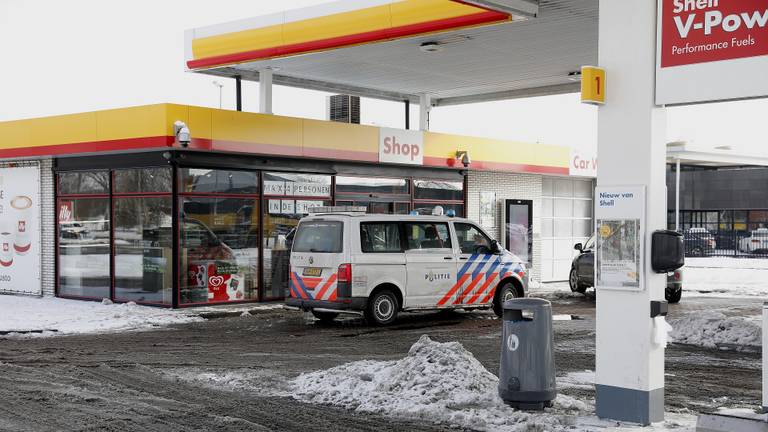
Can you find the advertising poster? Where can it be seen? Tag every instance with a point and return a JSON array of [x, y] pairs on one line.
[[619, 248], [223, 281], [20, 230], [487, 209]]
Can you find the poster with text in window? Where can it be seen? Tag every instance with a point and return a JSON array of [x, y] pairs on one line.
[[618, 247], [20, 230], [488, 209]]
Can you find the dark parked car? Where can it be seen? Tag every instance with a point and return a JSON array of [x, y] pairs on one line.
[[582, 274], [699, 242]]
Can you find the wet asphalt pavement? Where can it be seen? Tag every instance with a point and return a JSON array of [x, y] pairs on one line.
[[120, 382]]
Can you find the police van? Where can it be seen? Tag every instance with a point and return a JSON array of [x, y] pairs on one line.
[[345, 260]]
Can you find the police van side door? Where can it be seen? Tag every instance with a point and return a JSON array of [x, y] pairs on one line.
[[478, 268], [381, 258], [430, 263]]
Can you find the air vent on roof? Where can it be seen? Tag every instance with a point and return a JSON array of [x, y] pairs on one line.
[[344, 108]]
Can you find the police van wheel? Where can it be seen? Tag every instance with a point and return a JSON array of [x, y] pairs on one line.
[[505, 292], [382, 308], [324, 316]]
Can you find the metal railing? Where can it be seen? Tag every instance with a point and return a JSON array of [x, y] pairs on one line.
[[725, 243]]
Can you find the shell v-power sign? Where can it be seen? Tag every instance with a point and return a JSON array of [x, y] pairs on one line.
[[711, 50]]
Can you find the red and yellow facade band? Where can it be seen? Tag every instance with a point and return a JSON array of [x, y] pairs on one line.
[[213, 130], [335, 25]]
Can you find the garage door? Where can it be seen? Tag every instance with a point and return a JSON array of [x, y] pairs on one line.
[[566, 219]]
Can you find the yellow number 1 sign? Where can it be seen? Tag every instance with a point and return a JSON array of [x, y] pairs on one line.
[[592, 85]]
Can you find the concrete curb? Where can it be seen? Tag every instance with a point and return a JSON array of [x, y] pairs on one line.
[[232, 312]]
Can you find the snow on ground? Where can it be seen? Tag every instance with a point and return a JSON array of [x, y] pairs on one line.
[[263, 381], [440, 383], [579, 380], [726, 277], [49, 316], [715, 330], [702, 277], [443, 383], [436, 382]]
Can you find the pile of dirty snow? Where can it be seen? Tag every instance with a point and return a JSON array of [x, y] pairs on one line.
[[716, 330], [437, 382], [32, 316]]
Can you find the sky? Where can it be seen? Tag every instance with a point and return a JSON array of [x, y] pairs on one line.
[[71, 56]]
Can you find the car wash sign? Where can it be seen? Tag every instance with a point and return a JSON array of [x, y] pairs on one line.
[[711, 50]]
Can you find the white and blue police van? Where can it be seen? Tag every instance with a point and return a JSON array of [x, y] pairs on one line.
[[344, 260]]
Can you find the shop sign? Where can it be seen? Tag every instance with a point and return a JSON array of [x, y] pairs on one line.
[[710, 50], [20, 230], [620, 225], [401, 146]]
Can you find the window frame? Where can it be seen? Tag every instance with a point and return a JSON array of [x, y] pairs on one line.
[[111, 195], [405, 239], [179, 198], [335, 222], [478, 229], [400, 233]]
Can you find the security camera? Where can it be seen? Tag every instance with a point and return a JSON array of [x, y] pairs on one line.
[[181, 131], [463, 156], [466, 161]]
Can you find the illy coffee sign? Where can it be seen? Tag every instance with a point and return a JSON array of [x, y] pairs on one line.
[[401, 146]]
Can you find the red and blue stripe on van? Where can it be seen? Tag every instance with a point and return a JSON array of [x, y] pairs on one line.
[[477, 279], [313, 288]]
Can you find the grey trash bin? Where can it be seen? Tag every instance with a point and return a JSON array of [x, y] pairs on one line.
[[527, 368]]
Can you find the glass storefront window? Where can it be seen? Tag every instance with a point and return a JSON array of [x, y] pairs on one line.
[[402, 208], [143, 250], [280, 221], [206, 181], [143, 180], [84, 183], [428, 208], [371, 185], [439, 190], [84, 247], [219, 250]]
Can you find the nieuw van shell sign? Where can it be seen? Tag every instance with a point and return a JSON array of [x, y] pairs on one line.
[[711, 50]]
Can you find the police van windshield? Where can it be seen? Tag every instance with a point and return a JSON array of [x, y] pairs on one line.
[[318, 237]]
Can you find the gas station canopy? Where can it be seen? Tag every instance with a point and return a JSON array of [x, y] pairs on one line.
[[454, 51]]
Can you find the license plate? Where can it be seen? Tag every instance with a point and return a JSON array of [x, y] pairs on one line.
[[312, 271]]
